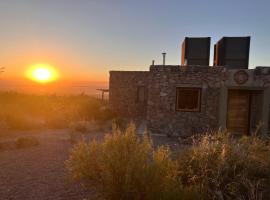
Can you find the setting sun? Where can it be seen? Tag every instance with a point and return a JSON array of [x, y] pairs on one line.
[[42, 73]]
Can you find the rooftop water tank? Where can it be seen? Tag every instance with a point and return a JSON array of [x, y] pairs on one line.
[[196, 51], [232, 52]]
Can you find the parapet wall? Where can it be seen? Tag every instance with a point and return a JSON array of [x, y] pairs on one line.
[[123, 93]]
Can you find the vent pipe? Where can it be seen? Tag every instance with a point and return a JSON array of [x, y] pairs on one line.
[[153, 62], [164, 58]]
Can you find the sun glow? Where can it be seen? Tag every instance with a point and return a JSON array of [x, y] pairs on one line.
[[42, 73]]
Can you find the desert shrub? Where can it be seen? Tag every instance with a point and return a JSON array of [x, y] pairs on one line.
[[26, 142], [74, 137], [121, 123], [28, 111], [57, 122], [227, 168], [88, 110], [126, 167], [86, 126], [81, 126], [21, 121], [104, 114], [76, 131]]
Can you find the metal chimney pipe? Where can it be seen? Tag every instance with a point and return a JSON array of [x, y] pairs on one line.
[[164, 58], [153, 62]]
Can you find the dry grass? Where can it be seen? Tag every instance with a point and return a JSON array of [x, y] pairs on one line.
[[216, 166], [125, 167], [227, 168], [26, 112]]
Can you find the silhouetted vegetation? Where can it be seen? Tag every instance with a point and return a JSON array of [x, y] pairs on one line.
[[26, 142], [25, 112], [216, 166]]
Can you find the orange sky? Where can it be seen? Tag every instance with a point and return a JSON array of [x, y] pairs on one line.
[[84, 40], [62, 59]]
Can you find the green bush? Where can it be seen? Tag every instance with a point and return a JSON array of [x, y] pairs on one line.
[[26, 142], [227, 168], [128, 168]]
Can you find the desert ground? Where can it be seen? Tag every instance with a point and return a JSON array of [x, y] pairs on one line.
[[39, 172]]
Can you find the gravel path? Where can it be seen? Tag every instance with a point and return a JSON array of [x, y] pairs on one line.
[[38, 173]]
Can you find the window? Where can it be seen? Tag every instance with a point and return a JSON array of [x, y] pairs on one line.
[[141, 94], [188, 99]]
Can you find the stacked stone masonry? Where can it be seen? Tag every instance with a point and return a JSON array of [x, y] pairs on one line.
[[161, 83]]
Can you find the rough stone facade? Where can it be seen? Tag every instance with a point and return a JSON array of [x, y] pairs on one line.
[[255, 110], [162, 116], [161, 84], [123, 93]]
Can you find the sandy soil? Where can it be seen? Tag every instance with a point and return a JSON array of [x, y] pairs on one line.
[[39, 172]]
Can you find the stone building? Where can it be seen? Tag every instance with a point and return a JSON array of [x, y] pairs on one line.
[[193, 98]]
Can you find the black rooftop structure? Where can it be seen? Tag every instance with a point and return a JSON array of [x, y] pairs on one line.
[[196, 51], [232, 52]]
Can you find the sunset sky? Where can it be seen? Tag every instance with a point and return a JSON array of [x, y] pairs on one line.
[[84, 39]]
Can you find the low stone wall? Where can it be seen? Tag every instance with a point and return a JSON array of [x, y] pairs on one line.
[[123, 93], [162, 116]]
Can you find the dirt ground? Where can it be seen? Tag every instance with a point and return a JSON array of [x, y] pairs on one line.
[[38, 173]]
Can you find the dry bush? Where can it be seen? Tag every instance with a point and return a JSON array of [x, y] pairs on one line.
[[74, 137], [77, 129], [26, 142], [128, 168], [227, 168], [216, 166], [21, 121], [80, 126], [21, 111]]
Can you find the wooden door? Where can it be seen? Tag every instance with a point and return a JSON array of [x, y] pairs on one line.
[[238, 111]]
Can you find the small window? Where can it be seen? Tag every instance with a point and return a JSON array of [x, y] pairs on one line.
[[141, 94], [188, 99]]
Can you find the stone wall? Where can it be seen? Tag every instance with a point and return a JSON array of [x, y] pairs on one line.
[[162, 116], [256, 110], [123, 93], [161, 84]]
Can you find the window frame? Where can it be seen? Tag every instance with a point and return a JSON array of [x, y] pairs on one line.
[[199, 99]]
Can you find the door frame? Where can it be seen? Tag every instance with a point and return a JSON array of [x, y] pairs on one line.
[[249, 107]]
